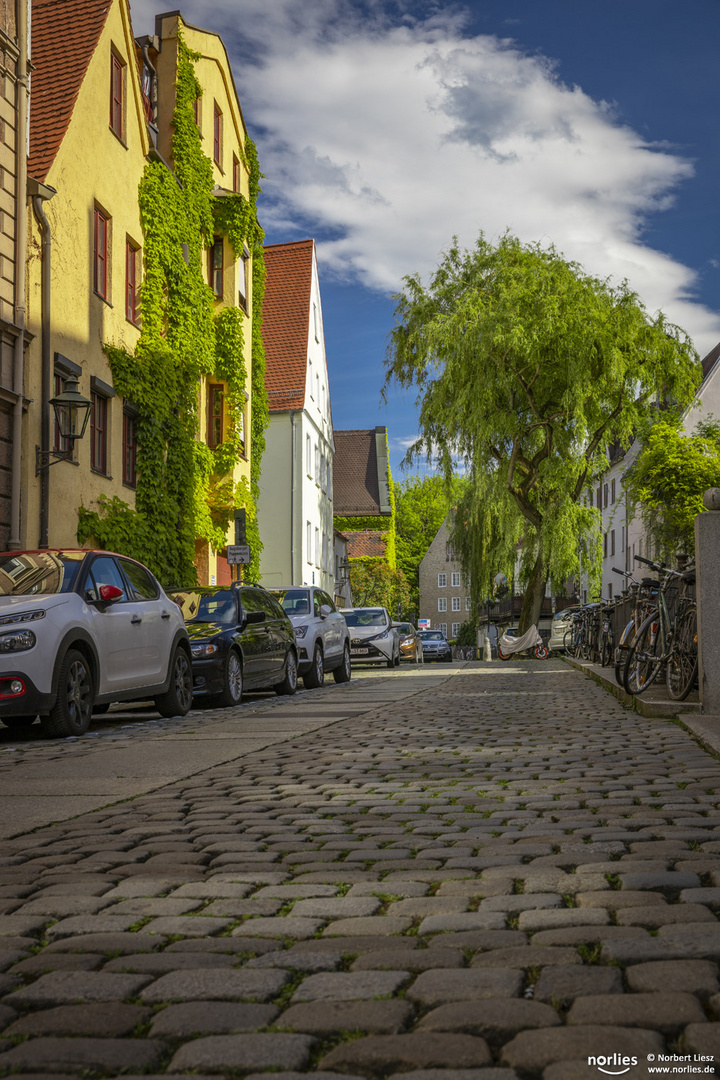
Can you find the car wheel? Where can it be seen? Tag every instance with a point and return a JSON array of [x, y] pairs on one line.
[[344, 672], [178, 697], [315, 677], [72, 712], [289, 683], [390, 663], [397, 659], [232, 690]]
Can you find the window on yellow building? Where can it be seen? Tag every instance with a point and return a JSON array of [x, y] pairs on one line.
[[243, 276], [117, 96], [217, 135], [101, 254], [216, 399], [132, 281], [216, 267], [236, 173], [129, 448], [98, 432]]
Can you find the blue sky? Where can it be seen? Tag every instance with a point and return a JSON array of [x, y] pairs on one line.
[[386, 127]]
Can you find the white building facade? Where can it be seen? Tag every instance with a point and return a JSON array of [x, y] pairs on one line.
[[296, 502]]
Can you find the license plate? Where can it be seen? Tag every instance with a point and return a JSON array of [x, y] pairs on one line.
[[359, 652]]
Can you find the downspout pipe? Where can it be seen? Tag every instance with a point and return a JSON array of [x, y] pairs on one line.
[[292, 499], [44, 224], [21, 225]]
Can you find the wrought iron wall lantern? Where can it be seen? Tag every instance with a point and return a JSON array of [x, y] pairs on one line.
[[72, 412]]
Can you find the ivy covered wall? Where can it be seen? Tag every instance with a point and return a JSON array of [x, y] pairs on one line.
[[186, 491]]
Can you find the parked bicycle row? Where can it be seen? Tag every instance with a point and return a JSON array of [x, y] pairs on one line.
[[650, 628]]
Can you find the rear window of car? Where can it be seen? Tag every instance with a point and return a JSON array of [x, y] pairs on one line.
[[39, 572], [366, 617], [405, 628], [294, 601]]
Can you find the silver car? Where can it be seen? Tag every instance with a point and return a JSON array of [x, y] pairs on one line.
[[321, 634], [561, 623], [373, 636]]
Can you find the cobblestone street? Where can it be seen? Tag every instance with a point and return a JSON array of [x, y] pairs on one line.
[[493, 870]]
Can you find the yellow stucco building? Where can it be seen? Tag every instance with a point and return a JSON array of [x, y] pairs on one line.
[[102, 110]]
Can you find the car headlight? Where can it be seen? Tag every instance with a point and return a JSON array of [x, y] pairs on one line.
[[22, 616], [301, 631], [18, 641], [379, 637], [205, 648]]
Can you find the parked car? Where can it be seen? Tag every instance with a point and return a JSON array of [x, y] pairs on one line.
[[435, 645], [561, 623], [411, 647], [373, 637], [81, 629], [240, 639], [321, 634]]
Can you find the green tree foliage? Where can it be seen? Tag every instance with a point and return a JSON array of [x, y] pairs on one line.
[[421, 505], [667, 481], [526, 369], [375, 583]]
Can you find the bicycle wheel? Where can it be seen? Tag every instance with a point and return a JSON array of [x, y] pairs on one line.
[[569, 642], [606, 650], [643, 663], [622, 652], [682, 666]]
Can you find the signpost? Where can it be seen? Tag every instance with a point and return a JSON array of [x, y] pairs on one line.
[[238, 554]]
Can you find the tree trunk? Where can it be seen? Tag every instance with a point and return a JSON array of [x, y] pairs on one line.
[[534, 596]]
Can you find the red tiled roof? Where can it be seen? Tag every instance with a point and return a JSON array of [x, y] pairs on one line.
[[356, 490], [367, 543], [65, 34], [286, 319]]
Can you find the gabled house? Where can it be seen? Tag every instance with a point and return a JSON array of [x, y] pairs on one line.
[[296, 485], [363, 496], [140, 287], [445, 600]]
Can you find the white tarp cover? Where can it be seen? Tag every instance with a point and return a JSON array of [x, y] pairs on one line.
[[517, 644]]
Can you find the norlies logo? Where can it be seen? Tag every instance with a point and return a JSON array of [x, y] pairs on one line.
[[614, 1064]]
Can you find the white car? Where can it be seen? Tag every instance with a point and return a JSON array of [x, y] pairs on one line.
[[321, 634], [373, 638], [81, 629]]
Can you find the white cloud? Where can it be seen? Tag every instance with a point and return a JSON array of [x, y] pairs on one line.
[[392, 134]]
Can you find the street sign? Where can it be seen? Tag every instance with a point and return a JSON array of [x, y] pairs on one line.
[[423, 624], [238, 554]]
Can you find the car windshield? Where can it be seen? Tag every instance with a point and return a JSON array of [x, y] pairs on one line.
[[216, 607], [406, 628], [366, 617], [39, 572], [431, 635], [294, 601]]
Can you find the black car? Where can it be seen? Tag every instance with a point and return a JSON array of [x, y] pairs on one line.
[[435, 645], [240, 639]]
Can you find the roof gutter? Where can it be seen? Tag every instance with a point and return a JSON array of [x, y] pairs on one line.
[[292, 498], [21, 223]]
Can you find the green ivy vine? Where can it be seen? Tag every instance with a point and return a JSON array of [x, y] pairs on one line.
[[185, 490]]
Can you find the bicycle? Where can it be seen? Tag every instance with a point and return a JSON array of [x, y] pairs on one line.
[[642, 594], [662, 641]]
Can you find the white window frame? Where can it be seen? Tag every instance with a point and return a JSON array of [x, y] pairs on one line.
[[455, 579], [309, 541], [442, 581], [455, 603], [443, 628], [467, 603], [455, 629], [442, 603]]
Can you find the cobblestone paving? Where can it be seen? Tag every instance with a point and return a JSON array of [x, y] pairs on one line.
[[498, 879]]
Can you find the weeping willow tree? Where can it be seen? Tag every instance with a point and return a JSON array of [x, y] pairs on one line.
[[527, 369]]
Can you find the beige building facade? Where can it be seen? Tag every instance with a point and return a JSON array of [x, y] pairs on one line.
[[445, 601]]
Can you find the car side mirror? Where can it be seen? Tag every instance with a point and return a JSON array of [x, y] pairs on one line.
[[325, 610], [254, 617], [108, 594]]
